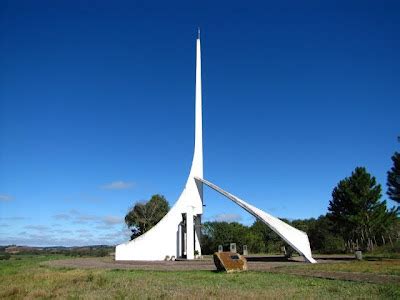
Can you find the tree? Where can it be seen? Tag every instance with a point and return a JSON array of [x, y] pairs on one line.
[[356, 209], [321, 235], [393, 178], [224, 233], [271, 241], [144, 215]]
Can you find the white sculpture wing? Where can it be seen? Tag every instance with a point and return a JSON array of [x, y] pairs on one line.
[[294, 237]]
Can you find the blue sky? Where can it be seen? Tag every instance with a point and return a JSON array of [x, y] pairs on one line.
[[97, 108]]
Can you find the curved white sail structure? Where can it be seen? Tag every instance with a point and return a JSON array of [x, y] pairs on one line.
[[294, 237], [178, 233]]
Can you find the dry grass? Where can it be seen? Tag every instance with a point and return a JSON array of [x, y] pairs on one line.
[[26, 279], [384, 267]]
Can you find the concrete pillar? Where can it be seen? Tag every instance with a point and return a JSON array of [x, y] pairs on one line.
[[197, 229], [245, 252], [179, 241], [233, 247], [189, 236]]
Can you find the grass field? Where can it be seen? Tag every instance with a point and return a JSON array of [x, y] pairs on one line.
[[25, 277], [381, 266]]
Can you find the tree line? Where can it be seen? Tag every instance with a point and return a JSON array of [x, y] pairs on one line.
[[356, 218]]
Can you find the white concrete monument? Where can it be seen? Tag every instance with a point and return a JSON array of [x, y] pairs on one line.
[[178, 233]]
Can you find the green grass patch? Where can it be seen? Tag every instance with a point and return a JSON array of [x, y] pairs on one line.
[[26, 278], [381, 266]]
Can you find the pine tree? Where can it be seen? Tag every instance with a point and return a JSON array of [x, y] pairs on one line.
[[356, 210], [393, 178]]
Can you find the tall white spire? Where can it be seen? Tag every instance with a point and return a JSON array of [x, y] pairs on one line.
[[197, 165], [185, 216]]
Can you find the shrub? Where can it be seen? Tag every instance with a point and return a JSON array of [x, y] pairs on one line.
[[5, 256], [333, 244]]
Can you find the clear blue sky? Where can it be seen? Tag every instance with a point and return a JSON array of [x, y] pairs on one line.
[[97, 108]]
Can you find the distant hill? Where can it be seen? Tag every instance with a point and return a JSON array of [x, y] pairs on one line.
[[90, 250]]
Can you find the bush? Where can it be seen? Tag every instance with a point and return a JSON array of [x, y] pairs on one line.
[[388, 250], [333, 244], [5, 256]]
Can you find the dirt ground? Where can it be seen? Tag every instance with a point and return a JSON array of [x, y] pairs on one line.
[[256, 263], [274, 264]]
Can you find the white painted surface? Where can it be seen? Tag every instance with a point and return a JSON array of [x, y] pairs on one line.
[[164, 238], [294, 237]]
